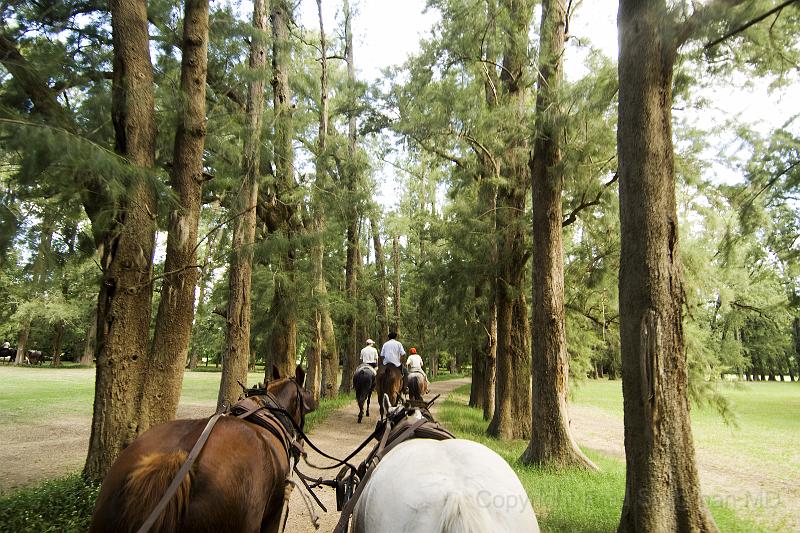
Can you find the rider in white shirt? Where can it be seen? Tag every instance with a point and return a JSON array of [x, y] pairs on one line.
[[369, 354], [392, 353], [414, 363]]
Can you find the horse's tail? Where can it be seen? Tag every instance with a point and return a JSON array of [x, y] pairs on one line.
[[147, 483], [463, 513]]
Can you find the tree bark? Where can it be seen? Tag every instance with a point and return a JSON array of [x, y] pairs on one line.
[[124, 302], [283, 334], [381, 297], [662, 485], [551, 440], [237, 351], [512, 397], [170, 347]]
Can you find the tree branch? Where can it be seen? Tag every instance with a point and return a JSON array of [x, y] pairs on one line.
[[743, 27], [573, 216], [700, 18]]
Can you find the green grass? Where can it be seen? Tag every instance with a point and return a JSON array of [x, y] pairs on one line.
[[31, 394], [569, 501], [63, 504]]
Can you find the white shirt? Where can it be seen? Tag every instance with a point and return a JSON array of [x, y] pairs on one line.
[[6, 345], [392, 351], [369, 354], [414, 362]]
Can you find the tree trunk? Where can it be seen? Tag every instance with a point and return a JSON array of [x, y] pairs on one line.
[[512, 406], [551, 440], [283, 333], [237, 352], [662, 486], [87, 359], [350, 359], [380, 266], [58, 343], [124, 302], [396, 285], [324, 369], [162, 388]]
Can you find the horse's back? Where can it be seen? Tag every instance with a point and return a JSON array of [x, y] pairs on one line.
[[452, 486], [225, 490]]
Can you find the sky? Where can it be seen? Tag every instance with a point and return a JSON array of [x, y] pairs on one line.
[[387, 32]]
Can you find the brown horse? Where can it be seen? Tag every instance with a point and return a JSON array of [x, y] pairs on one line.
[[390, 382], [237, 482], [417, 385]]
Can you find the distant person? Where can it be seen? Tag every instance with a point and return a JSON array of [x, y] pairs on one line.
[[369, 355], [6, 345], [392, 353]]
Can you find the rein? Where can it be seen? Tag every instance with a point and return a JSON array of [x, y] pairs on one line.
[[291, 444]]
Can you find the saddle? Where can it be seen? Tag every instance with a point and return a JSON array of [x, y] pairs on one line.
[[365, 366], [399, 428]]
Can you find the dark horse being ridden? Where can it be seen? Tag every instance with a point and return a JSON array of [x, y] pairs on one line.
[[237, 483], [364, 384], [390, 382]]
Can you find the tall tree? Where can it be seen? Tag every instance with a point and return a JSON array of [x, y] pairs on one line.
[[237, 354], [662, 485], [124, 303], [283, 312], [551, 441], [396, 284], [512, 397], [323, 371], [381, 294], [162, 387], [353, 254]]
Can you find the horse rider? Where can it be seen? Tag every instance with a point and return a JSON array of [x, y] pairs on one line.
[[414, 363], [6, 345], [369, 355], [392, 353]]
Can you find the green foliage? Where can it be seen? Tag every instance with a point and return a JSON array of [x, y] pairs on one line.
[[60, 505]]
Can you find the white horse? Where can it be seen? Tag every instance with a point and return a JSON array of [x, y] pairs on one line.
[[447, 486]]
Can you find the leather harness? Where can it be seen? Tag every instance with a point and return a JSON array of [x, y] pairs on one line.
[[259, 407], [393, 435]]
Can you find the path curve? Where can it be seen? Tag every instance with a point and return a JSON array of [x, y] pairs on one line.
[[339, 435]]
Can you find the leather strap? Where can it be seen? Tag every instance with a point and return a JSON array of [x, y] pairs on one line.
[[178, 479]]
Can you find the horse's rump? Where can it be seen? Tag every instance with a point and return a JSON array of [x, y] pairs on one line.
[[146, 484], [448, 486], [416, 385]]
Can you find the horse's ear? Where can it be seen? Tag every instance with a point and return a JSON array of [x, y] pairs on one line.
[[299, 375], [275, 372]]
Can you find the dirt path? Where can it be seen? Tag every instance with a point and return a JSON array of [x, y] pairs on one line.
[[338, 436], [39, 451], [746, 488]]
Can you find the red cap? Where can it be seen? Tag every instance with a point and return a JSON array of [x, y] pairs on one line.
[[413, 350]]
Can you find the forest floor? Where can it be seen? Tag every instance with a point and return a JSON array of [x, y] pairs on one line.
[[339, 435]]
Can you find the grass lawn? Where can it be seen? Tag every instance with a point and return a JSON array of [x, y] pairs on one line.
[[575, 500], [33, 393]]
